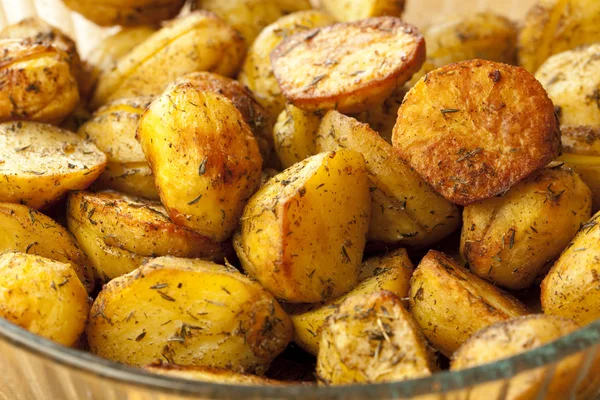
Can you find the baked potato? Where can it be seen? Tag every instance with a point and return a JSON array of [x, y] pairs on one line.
[[580, 154], [302, 235], [43, 296], [349, 66], [451, 304], [295, 135], [39, 163], [188, 312], [406, 210], [474, 129], [210, 374], [372, 338], [511, 240], [119, 233], [382, 118], [204, 157], [355, 10], [199, 41]]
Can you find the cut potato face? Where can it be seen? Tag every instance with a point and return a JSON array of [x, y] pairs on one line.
[[355, 10], [511, 240], [372, 338], [210, 374], [475, 128], [39, 163], [43, 296], [451, 304], [406, 210], [349, 67], [295, 135], [188, 312], [205, 159], [302, 235]]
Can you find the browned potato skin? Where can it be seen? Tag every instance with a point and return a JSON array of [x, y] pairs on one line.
[[451, 304], [452, 129], [372, 338], [350, 66], [511, 240], [210, 374]]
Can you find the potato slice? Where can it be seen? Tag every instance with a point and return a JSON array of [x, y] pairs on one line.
[[295, 135], [188, 312], [475, 128], [372, 338], [199, 41], [390, 272], [349, 66], [205, 160], [355, 10], [406, 210], [210, 374], [451, 304], [302, 235], [511, 240], [43, 296], [39, 163], [130, 226]]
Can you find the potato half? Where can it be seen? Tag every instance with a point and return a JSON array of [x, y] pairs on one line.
[[372, 338], [475, 128], [188, 312], [355, 10], [210, 374], [295, 135], [451, 304], [302, 235], [40, 163], [349, 66], [43, 296]]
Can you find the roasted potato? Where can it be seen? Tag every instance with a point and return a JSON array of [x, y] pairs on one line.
[[39, 163], [43, 296], [199, 41], [119, 233], [257, 72], [205, 159], [349, 66], [382, 118], [355, 10], [188, 312], [475, 128], [511, 240], [127, 12], [372, 338], [36, 82], [571, 287], [390, 272], [451, 304], [553, 26], [210, 374], [295, 135], [302, 235], [406, 210], [588, 169]]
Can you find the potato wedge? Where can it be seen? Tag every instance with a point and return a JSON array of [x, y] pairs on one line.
[[310, 224], [130, 226], [475, 128], [349, 66], [199, 41], [43, 296], [205, 160], [390, 272], [40, 163], [511, 240], [257, 72], [210, 374], [406, 210], [382, 118], [451, 304], [372, 338], [355, 10], [188, 312], [295, 135]]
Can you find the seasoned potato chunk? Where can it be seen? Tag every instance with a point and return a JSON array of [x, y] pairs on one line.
[[188, 312], [39, 163], [382, 118], [349, 66], [257, 72], [475, 128], [586, 166], [390, 272], [43, 296], [406, 210], [197, 42], [302, 235], [354, 10], [451, 304], [119, 233], [295, 135], [511, 240], [205, 159], [210, 374], [372, 338]]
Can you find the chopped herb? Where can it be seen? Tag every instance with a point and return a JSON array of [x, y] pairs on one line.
[[159, 286], [345, 254], [466, 155], [316, 80], [202, 168], [165, 296], [29, 246], [197, 199], [449, 110], [140, 336]]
